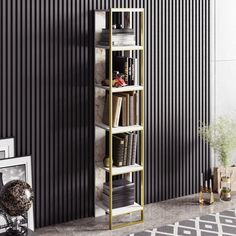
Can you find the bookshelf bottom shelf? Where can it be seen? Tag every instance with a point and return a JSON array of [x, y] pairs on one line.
[[122, 210]]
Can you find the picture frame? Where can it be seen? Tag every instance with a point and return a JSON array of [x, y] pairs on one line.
[[18, 168], [7, 148]]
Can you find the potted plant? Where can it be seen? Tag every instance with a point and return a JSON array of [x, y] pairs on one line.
[[221, 136]]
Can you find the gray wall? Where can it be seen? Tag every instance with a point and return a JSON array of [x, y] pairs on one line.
[[224, 59]]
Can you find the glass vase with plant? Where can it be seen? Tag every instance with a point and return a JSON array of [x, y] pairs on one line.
[[221, 136]]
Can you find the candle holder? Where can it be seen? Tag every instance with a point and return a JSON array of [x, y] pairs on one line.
[[206, 196]]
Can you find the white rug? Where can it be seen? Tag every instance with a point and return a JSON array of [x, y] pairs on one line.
[[218, 224]]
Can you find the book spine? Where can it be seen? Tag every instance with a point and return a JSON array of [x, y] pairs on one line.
[[125, 151], [124, 111], [134, 148], [126, 68], [136, 108], [130, 71], [131, 110], [118, 150], [116, 111], [130, 142], [133, 71], [127, 109], [136, 82]]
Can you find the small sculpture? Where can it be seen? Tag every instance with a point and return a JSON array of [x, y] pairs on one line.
[[15, 200]]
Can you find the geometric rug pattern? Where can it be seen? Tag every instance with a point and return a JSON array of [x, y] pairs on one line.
[[218, 224]]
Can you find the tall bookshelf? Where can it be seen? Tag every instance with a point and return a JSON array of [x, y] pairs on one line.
[[138, 167]]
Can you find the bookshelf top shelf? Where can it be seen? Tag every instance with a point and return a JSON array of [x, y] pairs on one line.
[[121, 89], [123, 169], [121, 129], [121, 48]]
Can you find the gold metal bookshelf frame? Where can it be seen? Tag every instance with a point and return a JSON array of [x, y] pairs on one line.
[[112, 48]]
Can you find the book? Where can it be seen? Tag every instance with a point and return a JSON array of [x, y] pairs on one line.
[[116, 203], [134, 148], [131, 109], [130, 71], [118, 185], [119, 31], [120, 37], [129, 153], [136, 81], [136, 108], [125, 109], [118, 150], [116, 110], [125, 136], [119, 43]]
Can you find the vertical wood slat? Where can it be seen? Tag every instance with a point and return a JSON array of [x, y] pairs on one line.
[[46, 98]]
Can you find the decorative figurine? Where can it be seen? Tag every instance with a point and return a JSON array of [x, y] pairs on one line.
[[118, 80], [15, 200]]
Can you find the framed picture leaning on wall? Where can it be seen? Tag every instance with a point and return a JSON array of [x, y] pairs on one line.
[[7, 148], [18, 168]]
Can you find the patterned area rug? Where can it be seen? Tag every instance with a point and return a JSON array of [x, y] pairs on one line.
[[218, 224]]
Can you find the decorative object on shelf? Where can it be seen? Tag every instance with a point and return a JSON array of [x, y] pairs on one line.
[[122, 193], [15, 200], [106, 161], [221, 136], [206, 196], [120, 36], [118, 80], [15, 194]]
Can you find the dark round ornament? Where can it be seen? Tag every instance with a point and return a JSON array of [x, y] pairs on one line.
[[16, 197]]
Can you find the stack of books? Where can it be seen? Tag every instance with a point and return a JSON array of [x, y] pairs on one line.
[[127, 66], [125, 149], [125, 109], [122, 193], [120, 37]]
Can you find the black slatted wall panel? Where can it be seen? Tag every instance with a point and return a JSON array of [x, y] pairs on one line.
[[46, 97], [46, 100], [177, 96]]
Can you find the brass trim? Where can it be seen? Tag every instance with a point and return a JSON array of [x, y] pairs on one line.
[[126, 224], [110, 121]]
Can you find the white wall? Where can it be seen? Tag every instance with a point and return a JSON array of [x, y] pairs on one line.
[[224, 59]]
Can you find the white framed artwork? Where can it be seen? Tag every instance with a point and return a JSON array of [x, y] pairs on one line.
[[7, 148], [18, 168]]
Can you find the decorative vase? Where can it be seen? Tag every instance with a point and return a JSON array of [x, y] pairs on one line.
[[106, 161], [225, 185]]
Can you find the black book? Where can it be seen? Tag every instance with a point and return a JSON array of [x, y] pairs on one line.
[[134, 148], [118, 185], [125, 136], [118, 150], [130, 144], [130, 71]]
